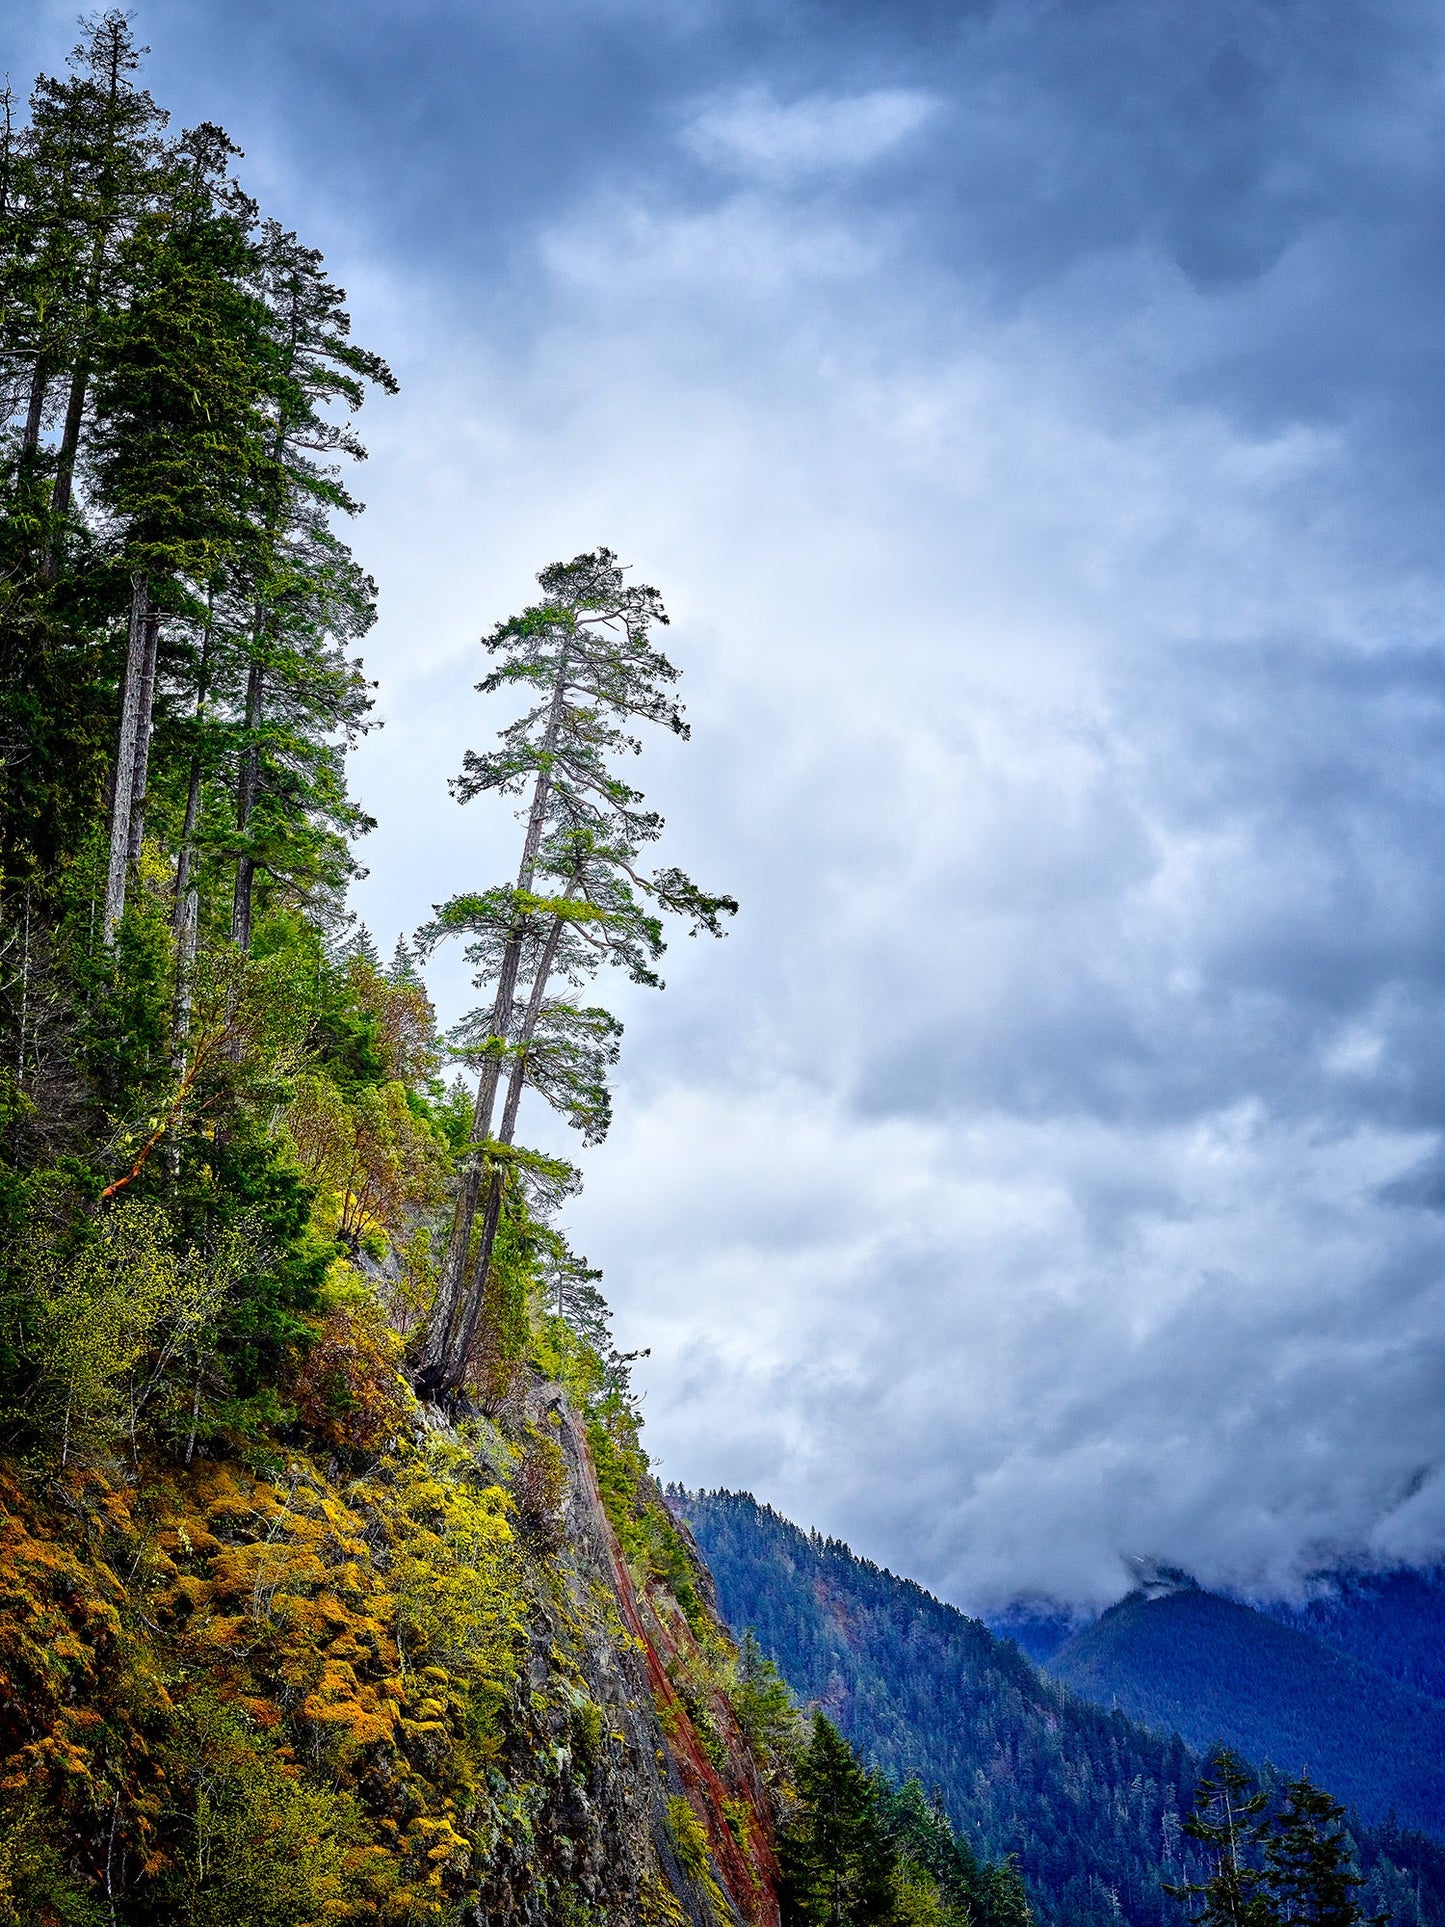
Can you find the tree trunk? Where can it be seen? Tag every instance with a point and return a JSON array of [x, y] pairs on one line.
[[141, 770], [39, 387], [460, 1350], [459, 1356], [185, 923], [70, 440], [187, 929], [186, 854], [432, 1366], [246, 788], [450, 1327], [185, 918], [24, 995], [130, 706]]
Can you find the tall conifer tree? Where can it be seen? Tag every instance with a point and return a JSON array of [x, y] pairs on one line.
[[304, 700], [836, 1863], [1225, 1821], [178, 448], [1309, 1870], [90, 155], [585, 657]]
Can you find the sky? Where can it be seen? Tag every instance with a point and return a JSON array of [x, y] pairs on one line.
[[1033, 416]]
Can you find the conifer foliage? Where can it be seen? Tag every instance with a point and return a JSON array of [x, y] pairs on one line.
[[177, 609], [584, 662], [837, 1868], [1286, 1861], [1225, 1821], [860, 1851]]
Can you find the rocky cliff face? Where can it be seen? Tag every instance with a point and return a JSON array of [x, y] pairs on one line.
[[664, 1817], [427, 1686]]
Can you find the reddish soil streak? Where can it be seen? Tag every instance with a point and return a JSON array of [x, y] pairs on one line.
[[751, 1878]]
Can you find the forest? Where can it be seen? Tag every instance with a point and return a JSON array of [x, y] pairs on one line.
[[1093, 1807]]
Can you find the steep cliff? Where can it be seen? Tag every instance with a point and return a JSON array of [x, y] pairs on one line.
[[427, 1685]]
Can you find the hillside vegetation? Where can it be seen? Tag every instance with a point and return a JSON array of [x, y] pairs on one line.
[[282, 1642]]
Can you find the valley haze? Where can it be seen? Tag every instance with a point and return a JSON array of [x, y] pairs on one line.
[[1032, 417]]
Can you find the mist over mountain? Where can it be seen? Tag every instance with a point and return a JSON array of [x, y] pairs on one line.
[[1393, 1620]]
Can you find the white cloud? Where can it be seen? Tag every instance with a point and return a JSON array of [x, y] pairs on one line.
[[754, 134], [953, 1344], [1006, 1193]]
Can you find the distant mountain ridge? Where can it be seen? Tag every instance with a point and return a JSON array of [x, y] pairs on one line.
[[1089, 1800], [1393, 1620], [1215, 1670]]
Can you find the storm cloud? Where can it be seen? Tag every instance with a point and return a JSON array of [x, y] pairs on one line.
[[1034, 416]]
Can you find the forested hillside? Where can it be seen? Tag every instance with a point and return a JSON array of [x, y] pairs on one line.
[[1092, 1803], [1089, 1803], [1214, 1670], [1394, 1621], [1364, 1712]]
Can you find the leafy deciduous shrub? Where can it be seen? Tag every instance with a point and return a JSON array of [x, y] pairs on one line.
[[349, 1390], [373, 1161], [113, 1316]]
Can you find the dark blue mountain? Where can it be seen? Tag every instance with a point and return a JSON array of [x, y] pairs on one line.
[[1217, 1671], [1088, 1799], [1037, 1627], [1393, 1621]]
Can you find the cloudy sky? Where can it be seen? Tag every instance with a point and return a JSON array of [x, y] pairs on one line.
[[1034, 416]]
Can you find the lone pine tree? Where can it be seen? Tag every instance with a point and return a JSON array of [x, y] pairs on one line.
[[585, 656]]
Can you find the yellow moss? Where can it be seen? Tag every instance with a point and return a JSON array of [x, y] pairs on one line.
[[371, 1635], [359, 1647], [694, 1854], [659, 1906]]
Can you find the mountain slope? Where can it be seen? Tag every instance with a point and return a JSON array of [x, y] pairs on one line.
[[1214, 1670], [397, 1692], [1088, 1799], [1394, 1621]]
